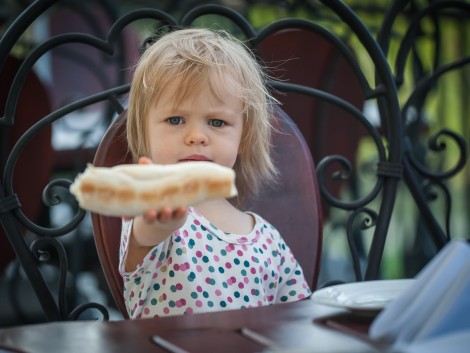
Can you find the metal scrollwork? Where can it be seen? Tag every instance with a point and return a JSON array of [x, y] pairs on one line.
[[368, 222], [342, 174], [51, 198], [429, 188], [437, 144], [41, 248]]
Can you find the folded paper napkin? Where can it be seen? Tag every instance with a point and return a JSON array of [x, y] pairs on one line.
[[434, 313]]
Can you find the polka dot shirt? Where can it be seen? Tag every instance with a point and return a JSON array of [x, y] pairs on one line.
[[200, 268]]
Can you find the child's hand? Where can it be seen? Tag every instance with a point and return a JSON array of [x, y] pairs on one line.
[[153, 227], [156, 225], [164, 216], [167, 217]]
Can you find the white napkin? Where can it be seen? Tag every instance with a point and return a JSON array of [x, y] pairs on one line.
[[452, 343], [436, 308]]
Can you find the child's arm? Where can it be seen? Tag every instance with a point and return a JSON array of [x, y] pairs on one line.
[[151, 229]]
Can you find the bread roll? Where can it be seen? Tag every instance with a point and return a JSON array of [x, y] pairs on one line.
[[132, 189]]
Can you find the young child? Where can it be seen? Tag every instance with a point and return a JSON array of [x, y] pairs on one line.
[[199, 95]]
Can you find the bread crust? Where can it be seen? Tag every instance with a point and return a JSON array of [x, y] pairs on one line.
[[132, 189]]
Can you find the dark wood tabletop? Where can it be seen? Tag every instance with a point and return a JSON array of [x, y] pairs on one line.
[[302, 326]]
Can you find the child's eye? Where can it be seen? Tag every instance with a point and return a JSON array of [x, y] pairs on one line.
[[175, 120], [216, 122]]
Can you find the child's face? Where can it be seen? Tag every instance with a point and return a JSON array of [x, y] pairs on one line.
[[200, 127]]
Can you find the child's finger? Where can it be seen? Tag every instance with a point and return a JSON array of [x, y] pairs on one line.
[[165, 214], [145, 160], [180, 212], [150, 216]]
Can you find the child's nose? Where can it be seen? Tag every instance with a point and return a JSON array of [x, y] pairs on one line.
[[196, 137]]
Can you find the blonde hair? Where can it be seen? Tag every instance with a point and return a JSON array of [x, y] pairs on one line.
[[193, 56]]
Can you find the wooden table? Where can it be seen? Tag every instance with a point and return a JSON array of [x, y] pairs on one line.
[[298, 327]]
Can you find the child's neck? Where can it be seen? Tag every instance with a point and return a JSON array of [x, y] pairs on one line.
[[225, 216]]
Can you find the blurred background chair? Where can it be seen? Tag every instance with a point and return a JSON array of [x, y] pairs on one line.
[[32, 172], [33, 104], [308, 58]]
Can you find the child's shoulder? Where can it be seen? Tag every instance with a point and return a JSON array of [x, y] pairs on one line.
[[263, 224]]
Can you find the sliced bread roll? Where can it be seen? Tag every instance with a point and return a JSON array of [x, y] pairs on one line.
[[132, 189]]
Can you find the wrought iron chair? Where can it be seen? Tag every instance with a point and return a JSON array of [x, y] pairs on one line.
[[428, 184], [388, 156]]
